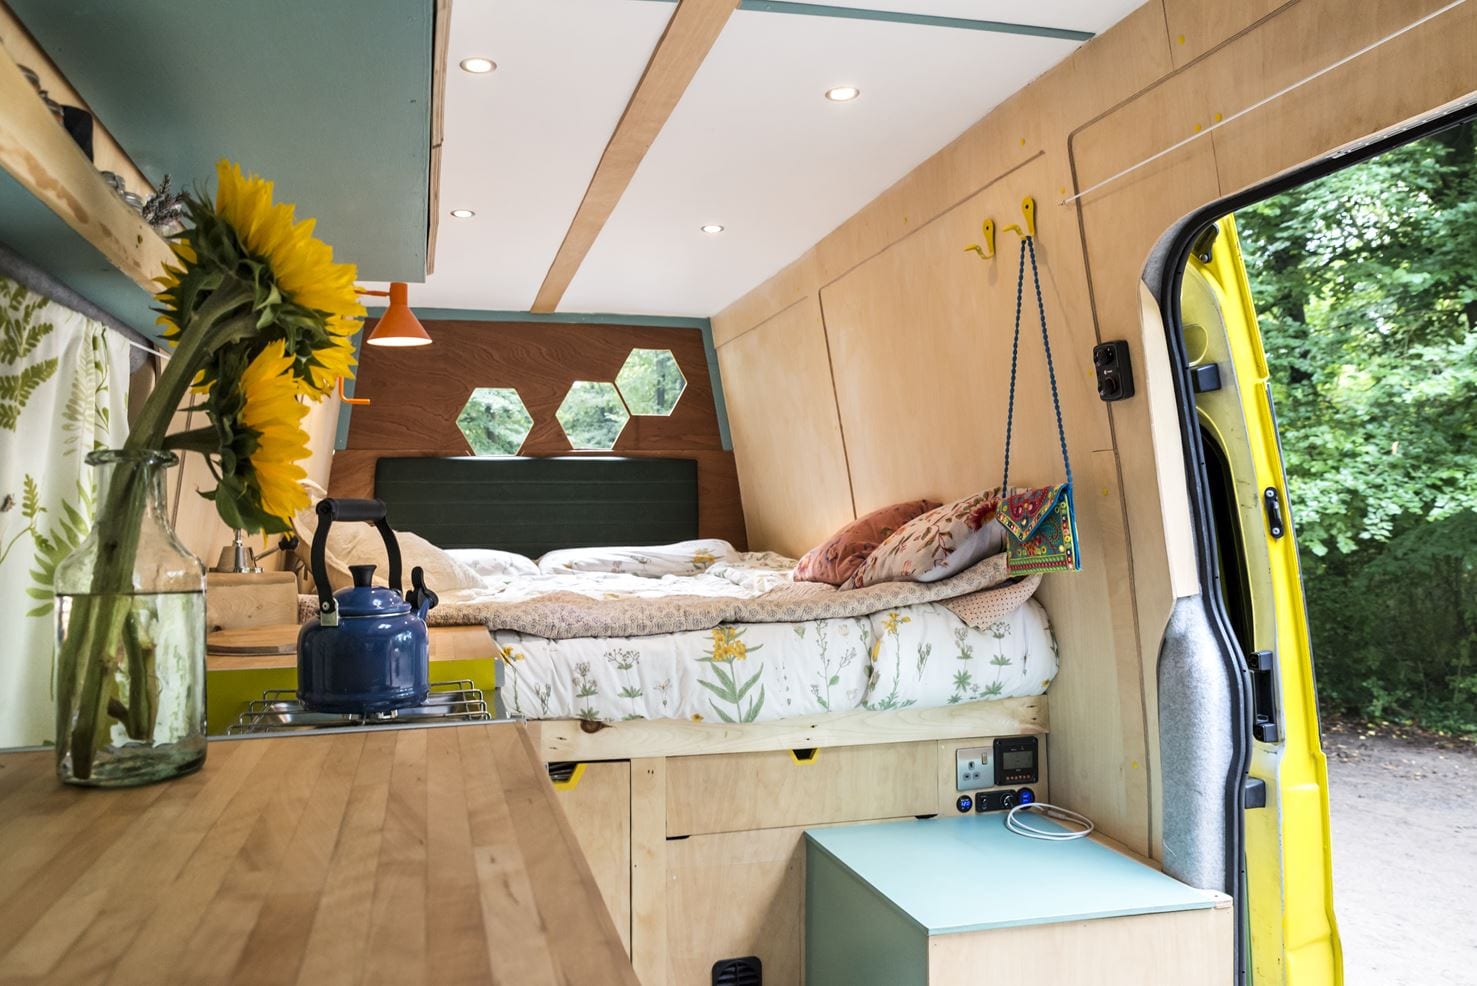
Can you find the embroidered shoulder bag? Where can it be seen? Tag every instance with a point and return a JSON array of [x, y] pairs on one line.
[[1040, 524]]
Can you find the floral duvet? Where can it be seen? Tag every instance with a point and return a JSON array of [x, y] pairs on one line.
[[922, 654]]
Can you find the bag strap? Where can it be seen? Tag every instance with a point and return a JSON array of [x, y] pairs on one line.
[[1028, 246]]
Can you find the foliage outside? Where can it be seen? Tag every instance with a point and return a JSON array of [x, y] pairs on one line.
[[495, 421], [592, 415], [1366, 290], [651, 381]]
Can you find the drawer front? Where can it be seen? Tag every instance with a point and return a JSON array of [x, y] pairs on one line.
[[739, 792], [735, 894]]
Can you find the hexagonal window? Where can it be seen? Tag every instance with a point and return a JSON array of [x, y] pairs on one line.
[[651, 381], [495, 421], [592, 414]]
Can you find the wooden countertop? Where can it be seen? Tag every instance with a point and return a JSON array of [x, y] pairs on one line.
[[275, 646], [430, 855]]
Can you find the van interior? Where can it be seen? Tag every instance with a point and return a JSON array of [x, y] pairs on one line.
[[822, 452]]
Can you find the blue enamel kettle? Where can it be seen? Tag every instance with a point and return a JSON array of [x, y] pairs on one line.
[[368, 651]]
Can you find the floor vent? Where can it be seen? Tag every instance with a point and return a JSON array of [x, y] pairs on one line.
[[747, 971]]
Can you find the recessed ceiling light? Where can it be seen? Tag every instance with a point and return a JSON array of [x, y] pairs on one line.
[[463, 213], [478, 66], [843, 94], [712, 228]]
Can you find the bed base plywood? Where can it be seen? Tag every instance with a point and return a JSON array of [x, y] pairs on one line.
[[715, 842], [575, 739]]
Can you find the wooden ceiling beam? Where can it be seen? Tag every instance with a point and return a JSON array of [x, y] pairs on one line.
[[690, 35]]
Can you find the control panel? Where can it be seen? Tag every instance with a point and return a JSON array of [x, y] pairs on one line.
[[1016, 760], [998, 773]]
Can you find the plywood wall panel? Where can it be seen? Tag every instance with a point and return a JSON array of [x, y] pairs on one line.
[[1418, 72], [901, 315], [1195, 27], [920, 339], [786, 433]]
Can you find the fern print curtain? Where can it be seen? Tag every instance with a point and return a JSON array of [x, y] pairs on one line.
[[63, 393]]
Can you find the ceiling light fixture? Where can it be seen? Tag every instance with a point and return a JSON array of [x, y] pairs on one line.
[[712, 228], [397, 326], [843, 94], [462, 213], [478, 66]]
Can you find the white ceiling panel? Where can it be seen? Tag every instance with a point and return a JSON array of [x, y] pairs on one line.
[[1073, 15], [753, 145], [521, 143]]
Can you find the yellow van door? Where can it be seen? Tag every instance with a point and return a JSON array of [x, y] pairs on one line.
[[1289, 882]]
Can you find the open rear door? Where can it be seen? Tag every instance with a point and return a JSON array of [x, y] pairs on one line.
[[1289, 884]]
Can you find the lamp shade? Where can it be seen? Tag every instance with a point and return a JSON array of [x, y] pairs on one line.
[[398, 326]]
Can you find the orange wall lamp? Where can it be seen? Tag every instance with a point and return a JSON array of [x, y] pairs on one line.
[[398, 326]]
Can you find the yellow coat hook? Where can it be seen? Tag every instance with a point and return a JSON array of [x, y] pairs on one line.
[[1028, 212], [987, 232]]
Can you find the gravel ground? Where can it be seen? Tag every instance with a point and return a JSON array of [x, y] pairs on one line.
[[1404, 857]]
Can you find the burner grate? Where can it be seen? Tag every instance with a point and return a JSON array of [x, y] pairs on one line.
[[280, 710]]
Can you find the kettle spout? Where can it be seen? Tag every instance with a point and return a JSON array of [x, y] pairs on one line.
[[420, 597]]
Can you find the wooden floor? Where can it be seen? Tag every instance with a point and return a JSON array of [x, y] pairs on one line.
[[408, 856]]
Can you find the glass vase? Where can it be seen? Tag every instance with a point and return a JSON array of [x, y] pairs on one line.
[[130, 619]]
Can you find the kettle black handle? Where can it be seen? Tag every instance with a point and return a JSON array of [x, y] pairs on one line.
[[367, 511]]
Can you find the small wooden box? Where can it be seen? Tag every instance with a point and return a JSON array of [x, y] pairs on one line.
[[948, 902], [240, 600]]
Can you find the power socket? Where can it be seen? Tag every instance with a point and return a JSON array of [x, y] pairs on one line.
[[973, 768]]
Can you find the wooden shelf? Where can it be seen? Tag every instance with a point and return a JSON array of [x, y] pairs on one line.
[[39, 154]]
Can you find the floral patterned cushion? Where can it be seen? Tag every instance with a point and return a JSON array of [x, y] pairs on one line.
[[936, 544], [837, 559]]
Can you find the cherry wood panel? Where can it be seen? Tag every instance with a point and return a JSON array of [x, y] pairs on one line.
[[416, 394]]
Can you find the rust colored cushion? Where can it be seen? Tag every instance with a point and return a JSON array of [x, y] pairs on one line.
[[836, 559]]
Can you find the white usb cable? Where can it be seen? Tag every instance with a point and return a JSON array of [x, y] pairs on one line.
[[1021, 827]]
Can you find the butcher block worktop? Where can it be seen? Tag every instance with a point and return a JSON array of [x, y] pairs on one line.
[[414, 855]]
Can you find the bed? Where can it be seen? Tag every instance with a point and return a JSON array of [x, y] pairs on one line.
[[698, 632]]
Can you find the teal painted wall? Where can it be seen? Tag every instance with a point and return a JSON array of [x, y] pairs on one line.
[[328, 98]]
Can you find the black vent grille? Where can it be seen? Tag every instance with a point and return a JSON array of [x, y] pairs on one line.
[[747, 971]]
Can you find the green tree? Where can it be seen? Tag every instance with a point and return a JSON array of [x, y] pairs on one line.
[[1366, 289], [592, 415], [650, 381], [495, 421]]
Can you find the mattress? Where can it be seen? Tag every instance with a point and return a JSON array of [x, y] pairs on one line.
[[917, 656]]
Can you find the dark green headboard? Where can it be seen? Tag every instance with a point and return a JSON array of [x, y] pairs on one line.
[[534, 505]]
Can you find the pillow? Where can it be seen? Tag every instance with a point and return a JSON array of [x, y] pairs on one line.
[[492, 563], [361, 544], [837, 558], [682, 558], [936, 544]]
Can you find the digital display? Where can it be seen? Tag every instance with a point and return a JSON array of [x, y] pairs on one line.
[[1018, 759]]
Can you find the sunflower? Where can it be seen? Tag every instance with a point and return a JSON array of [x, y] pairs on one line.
[[274, 413], [301, 264], [247, 243]]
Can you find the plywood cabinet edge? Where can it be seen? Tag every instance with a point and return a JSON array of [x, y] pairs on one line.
[[44, 159]]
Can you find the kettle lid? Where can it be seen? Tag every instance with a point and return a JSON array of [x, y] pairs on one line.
[[364, 598]]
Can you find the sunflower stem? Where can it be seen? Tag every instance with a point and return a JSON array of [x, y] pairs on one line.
[[96, 623]]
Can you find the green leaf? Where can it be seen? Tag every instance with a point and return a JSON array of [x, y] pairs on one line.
[[724, 693]]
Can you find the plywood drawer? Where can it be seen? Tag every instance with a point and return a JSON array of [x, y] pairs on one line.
[[597, 803], [734, 894], [744, 791]]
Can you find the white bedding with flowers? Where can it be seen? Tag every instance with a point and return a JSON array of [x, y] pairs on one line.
[[919, 655]]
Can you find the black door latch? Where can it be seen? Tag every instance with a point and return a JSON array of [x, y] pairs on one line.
[[1273, 503]]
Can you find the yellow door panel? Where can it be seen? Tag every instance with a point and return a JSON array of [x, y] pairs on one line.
[[1294, 939]]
